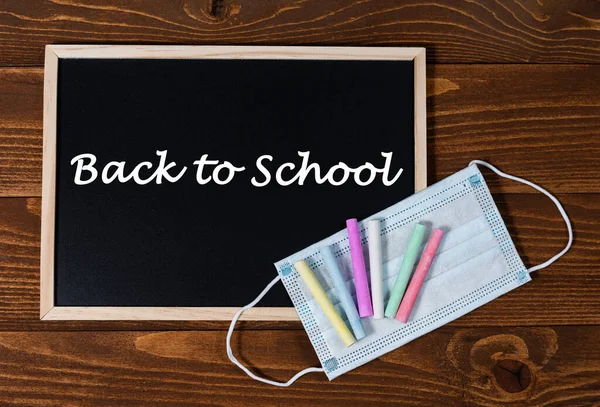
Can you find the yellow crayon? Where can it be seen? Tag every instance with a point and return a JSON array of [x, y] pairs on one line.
[[326, 306]]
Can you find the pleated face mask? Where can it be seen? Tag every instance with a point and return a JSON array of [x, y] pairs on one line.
[[476, 262]]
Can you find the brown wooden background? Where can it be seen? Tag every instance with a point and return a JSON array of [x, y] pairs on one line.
[[513, 82]]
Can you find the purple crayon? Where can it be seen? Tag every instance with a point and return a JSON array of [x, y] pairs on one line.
[[363, 295]]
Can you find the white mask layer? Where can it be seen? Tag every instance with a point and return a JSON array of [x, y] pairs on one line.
[[475, 263]]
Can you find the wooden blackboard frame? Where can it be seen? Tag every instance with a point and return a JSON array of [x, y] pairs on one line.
[[48, 311]]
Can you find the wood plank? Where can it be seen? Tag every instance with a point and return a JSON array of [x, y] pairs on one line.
[[21, 103], [450, 366], [509, 31], [540, 122], [566, 293]]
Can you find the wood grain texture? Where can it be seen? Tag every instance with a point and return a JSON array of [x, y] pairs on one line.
[[568, 291], [21, 104], [473, 31], [539, 124], [450, 366], [515, 116]]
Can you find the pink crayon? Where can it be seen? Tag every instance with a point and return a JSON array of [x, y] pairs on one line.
[[363, 295], [408, 302]]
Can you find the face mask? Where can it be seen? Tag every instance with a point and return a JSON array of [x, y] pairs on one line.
[[475, 263]]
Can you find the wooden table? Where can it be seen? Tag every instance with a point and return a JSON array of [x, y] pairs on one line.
[[513, 82]]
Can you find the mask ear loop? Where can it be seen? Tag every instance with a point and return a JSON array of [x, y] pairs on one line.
[[549, 195], [244, 368]]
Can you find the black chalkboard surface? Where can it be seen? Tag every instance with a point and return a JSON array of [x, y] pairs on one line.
[[199, 241]]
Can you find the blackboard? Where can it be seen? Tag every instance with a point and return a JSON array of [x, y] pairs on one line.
[[136, 248]]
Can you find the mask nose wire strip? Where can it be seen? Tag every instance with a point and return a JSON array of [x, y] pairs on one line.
[[244, 368], [549, 195]]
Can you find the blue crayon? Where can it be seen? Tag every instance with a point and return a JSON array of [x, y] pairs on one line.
[[342, 292]]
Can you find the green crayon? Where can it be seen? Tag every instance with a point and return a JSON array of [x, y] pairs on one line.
[[408, 262]]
